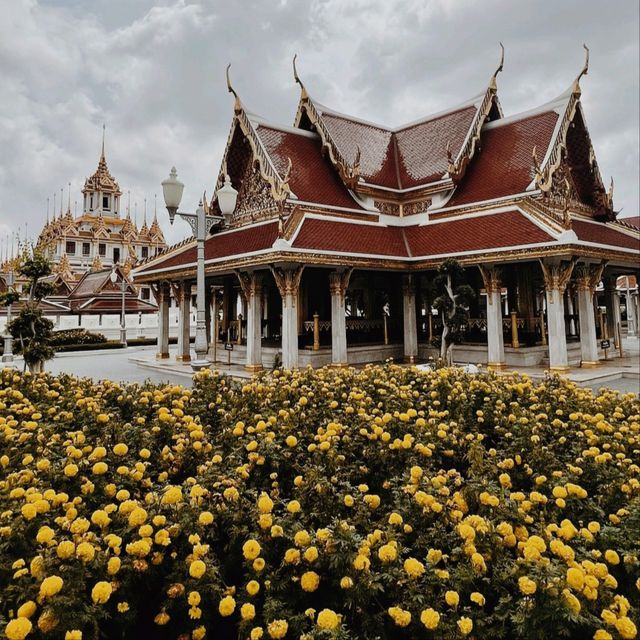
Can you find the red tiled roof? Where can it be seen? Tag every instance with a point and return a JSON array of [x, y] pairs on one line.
[[238, 241], [313, 178], [633, 221], [602, 233], [503, 166], [493, 231], [350, 237], [405, 157], [506, 229]]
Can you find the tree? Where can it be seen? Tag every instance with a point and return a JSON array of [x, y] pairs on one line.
[[30, 328], [452, 301]]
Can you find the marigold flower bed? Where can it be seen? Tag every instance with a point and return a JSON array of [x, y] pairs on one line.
[[382, 503]]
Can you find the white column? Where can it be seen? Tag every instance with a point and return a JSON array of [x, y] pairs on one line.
[[495, 336], [556, 278], [631, 314], [338, 283], [409, 319], [251, 284], [163, 297], [637, 299], [183, 298], [586, 281], [288, 282], [571, 312]]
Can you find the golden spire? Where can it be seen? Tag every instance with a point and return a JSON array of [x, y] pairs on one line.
[[103, 130], [493, 82], [585, 69]]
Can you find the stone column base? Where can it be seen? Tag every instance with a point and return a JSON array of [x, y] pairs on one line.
[[559, 369], [410, 359], [496, 366], [589, 364], [253, 368], [339, 365], [183, 358], [162, 356]]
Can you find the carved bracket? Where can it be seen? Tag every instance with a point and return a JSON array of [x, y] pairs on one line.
[[287, 281], [250, 284], [491, 279], [557, 276], [339, 281], [589, 276]]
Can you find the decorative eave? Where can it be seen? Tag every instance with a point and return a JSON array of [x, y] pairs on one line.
[[279, 185], [457, 167], [544, 172], [349, 173]]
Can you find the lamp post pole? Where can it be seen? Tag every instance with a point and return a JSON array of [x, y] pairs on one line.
[[123, 318], [7, 356], [201, 223]]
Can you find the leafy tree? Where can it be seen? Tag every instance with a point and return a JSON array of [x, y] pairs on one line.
[[452, 301], [30, 327]]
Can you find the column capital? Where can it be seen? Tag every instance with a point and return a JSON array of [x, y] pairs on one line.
[[287, 280], [250, 283], [557, 276], [492, 279], [588, 276], [339, 281]]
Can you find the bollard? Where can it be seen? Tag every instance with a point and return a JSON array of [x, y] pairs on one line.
[[316, 332], [514, 330]]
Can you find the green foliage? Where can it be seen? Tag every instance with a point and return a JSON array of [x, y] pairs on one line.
[[76, 337]]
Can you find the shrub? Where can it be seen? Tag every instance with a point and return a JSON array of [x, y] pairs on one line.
[[381, 503], [76, 336]]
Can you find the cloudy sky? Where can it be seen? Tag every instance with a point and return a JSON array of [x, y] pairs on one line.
[[154, 73]]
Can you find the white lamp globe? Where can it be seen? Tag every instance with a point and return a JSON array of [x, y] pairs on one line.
[[227, 197]]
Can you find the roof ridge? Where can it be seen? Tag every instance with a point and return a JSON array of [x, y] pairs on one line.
[[557, 104]]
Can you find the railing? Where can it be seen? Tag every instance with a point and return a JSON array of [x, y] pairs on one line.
[[353, 324]]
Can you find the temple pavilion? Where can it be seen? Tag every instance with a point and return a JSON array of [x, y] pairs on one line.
[[340, 225]]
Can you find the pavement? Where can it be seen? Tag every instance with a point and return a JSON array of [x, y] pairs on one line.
[[139, 364]]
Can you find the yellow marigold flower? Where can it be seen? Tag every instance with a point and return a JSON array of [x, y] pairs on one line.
[[395, 518], [121, 449], [205, 518], [291, 441], [348, 501], [277, 629], [430, 618], [45, 535], [162, 618], [253, 586], [465, 625], [199, 633], [601, 634], [51, 586], [265, 503], [452, 598], [197, 569], [102, 418], [194, 598], [346, 582], [572, 602], [137, 517], [18, 628], [311, 554], [401, 617], [227, 606], [302, 538], [309, 581], [247, 611], [101, 592], [100, 518], [478, 598], [575, 578], [251, 549], [27, 609], [85, 551], [626, 628], [74, 634], [258, 564], [328, 619], [256, 633], [113, 565], [70, 470], [172, 495], [414, 568], [611, 557], [527, 586], [100, 468], [478, 562], [387, 553], [293, 506]]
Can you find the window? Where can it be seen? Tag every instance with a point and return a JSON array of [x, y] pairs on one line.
[[145, 252], [116, 255], [71, 247], [102, 249], [105, 203], [91, 202], [145, 294], [86, 249]]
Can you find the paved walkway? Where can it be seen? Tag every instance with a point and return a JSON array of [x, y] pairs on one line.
[[138, 364]]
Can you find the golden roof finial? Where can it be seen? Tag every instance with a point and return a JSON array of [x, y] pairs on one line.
[[103, 130], [237, 107], [493, 84], [296, 77], [583, 72]]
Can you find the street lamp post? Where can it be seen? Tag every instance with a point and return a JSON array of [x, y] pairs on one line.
[[123, 319], [7, 356], [201, 223]]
